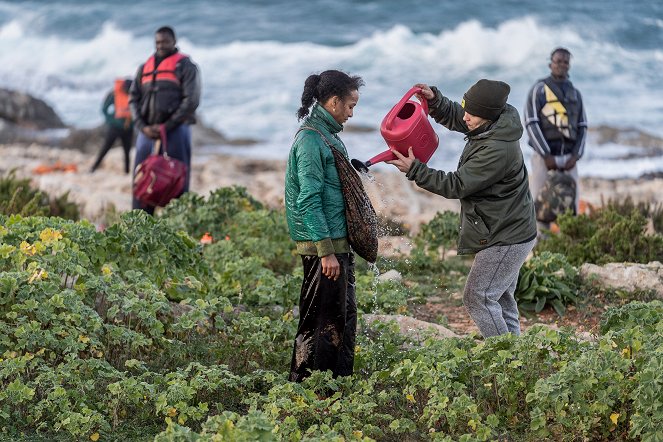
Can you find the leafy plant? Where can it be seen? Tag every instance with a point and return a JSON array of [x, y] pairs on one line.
[[547, 279], [196, 215], [264, 235], [17, 196], [92, 347], [381, 297], [604, 236], [152, 247], [441, 232]]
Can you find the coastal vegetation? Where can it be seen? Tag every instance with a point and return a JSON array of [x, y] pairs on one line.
[[179, 327]]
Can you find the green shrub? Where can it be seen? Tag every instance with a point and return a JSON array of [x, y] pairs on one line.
[[604, 236], [441, 232], [263, 234], [380, 297], [91, 347], [152, 247], [646, 315], [547, 279], [196, 215], [18, 197], [254, 427], [651, 211]]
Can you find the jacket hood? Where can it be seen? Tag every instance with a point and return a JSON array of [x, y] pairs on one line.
[[507, 127], [319, 116]]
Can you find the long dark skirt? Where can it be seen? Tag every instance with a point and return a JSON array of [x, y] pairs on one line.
[[327, 320]]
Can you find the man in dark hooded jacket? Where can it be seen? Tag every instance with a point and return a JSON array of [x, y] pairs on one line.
[[497, 213]]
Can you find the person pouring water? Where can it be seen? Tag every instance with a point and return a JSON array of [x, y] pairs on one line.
[[497, 221]]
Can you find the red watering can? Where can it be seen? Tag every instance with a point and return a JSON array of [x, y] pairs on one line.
[[406, 125]]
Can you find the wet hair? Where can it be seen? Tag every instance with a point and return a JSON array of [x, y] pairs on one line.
[[166, 30], [321, 87], [560, 50]]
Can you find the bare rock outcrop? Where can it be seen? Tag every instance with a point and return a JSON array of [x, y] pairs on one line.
[[626, 276], [25, 119], [27, 112]]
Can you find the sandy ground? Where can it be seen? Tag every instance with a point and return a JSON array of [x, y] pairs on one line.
[[392, 195]]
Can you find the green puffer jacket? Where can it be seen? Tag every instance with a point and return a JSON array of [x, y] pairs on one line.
[[491, 181], [314, 203]]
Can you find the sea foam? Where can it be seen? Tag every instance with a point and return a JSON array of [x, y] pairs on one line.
[[252, 88]]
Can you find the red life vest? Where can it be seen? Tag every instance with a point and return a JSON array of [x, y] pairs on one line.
[[164, 72], [121, 100]]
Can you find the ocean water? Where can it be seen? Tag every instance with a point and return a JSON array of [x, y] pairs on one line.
[[254, 56]]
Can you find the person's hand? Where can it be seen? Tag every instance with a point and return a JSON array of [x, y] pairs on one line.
[[551, 164], [403, 163], [152, 131], [571, 162], [330, 267], [426, 91]]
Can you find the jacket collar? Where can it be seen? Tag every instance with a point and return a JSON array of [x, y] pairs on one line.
[[321, 117], [506, 128]]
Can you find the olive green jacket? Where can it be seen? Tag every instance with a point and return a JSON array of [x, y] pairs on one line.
[[491, 180], [314, 204]]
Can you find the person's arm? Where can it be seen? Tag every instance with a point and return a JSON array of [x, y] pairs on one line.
[[190, 83], [535, 101], [446, 112], [105, 108], [579, 147], [135, 95], [310, 172], [483, 169], [311, 176]]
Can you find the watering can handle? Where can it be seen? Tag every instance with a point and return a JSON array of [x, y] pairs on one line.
[[399, 105]]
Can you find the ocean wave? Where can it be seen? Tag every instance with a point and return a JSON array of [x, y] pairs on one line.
[[252, 88]]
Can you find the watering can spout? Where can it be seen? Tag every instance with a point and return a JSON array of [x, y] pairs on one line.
[[406, 125], [360, 166]]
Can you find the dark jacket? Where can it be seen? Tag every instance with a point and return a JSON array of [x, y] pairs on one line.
[[491, 181], [108, 109], [555, 131], [314, 204], [166, 102]]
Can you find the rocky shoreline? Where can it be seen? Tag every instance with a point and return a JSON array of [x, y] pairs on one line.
[[393, 196], [32, 135]]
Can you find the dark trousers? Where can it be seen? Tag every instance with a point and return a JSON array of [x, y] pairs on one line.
[[327, 320], [179, 147], [112, 134]]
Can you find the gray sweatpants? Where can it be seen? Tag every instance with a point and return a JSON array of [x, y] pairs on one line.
[[491, 283]]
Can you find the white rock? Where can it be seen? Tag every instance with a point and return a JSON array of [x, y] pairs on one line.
[[412, 327], [626, 276], [391, 275]]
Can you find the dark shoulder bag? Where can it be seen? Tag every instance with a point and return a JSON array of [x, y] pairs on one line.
[[361, 219]]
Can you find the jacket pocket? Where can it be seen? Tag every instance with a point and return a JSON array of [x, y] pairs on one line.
[[474, 232]]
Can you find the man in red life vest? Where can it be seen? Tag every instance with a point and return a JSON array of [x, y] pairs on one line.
[[166, 92], [118, 122]]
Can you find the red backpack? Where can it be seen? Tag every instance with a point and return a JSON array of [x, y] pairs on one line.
[[159, 178]]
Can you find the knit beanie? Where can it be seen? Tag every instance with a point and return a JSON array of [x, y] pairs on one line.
[[486, 99]]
